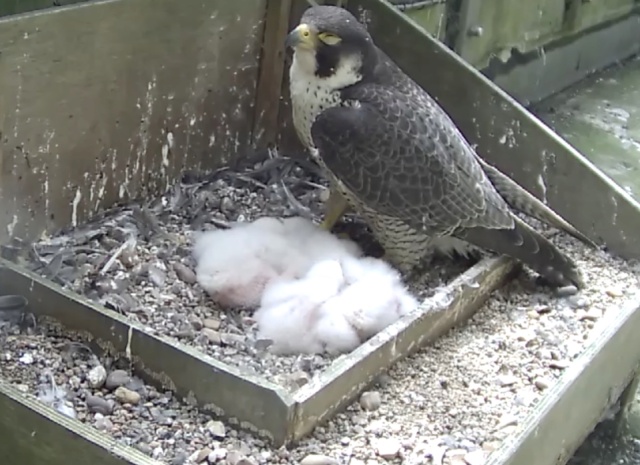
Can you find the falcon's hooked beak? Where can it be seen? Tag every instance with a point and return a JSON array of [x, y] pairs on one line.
[[303, 36]]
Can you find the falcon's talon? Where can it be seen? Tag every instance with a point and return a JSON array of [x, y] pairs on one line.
[[335, 208]]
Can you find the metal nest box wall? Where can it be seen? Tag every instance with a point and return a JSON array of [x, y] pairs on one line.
[[109, 101]]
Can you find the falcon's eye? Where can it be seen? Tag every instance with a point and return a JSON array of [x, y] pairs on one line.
[[328, 38]]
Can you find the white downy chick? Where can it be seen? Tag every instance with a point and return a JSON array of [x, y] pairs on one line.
[[289, 309], [336, 334], [375, 296], [315, 244], [235, 265]]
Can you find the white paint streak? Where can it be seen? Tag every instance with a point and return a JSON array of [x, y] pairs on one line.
[[165, 155], [543, 187], [74, 207], [18, 98], [45, 150], [12, 226]]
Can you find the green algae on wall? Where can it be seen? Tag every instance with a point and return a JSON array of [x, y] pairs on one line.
[[600, 116]]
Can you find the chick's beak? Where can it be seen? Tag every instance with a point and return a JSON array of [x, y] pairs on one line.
[[302, 36]]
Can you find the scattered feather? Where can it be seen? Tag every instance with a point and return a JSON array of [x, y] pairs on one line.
[[55, 396]]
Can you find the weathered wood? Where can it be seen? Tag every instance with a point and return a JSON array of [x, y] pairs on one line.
[[575, 404], [32, 432], [272, 65], [508, 136], [288, 141], [450, 307], [220, 389], [107, 101]]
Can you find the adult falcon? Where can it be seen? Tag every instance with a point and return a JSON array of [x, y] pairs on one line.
[[393, 155]]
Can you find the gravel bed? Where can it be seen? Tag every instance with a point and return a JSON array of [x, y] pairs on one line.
[[137, 260], [451, 403]]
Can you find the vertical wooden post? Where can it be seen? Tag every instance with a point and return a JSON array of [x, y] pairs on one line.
[[276, 25]]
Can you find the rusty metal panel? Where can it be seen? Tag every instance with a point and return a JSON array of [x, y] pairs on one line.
[[108, 101], [583, 14], [12, 7], [432, 15], [494, 28]]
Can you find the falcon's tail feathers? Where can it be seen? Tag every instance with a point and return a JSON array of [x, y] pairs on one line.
[[523, 201], [531, 248]]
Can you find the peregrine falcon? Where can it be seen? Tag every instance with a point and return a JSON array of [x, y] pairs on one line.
[[395, 157]]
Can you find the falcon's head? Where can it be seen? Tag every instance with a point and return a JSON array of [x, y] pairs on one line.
[[333, 45]]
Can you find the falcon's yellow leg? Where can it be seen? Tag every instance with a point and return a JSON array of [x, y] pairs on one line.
[[335, 207]]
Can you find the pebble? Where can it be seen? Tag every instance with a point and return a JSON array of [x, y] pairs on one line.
[[211, 323], [559, 364], [246, 461], [97, 376], [506, 420], [185, 273], [233, 457], [202, 455], [476, 457], [117, 378], [507, 380], [370, 400], [212, 336], [180, 458], [614, 292], [593, 314], [388, 448], [127, 396], [490, 446], [99, 405], [103, 424], [566, 291], [577, 302], [542, 383], [216, 455], [216, 428], [315, 459], [26, 358]]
